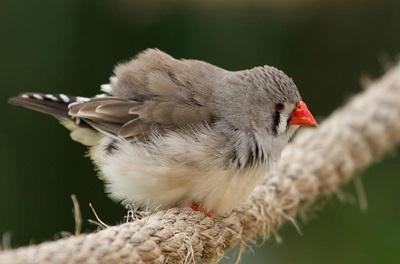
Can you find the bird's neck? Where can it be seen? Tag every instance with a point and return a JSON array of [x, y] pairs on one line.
[[245, 149]]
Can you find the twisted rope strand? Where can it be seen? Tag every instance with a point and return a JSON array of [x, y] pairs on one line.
[[314, 165]]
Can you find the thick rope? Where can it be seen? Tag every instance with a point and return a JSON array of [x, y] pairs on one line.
[[314, 165]]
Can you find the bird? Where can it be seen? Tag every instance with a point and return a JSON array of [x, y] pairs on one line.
[[168, 132]]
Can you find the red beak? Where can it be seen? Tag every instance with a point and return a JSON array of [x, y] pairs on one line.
[[302, 116]]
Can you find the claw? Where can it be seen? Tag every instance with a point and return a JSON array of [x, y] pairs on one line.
[[196, 207]]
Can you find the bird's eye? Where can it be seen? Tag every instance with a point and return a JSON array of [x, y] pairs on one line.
[[279, 106]]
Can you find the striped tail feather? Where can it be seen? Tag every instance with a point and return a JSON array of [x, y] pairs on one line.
[[53, 104], [58, 106]]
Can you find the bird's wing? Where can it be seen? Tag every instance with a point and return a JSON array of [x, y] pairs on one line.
[[134, 119], [153, 92]]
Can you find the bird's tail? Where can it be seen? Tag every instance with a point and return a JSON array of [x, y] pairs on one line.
[[53, 104], [58, 106]]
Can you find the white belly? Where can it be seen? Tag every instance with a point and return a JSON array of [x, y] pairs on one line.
[[133, 175]]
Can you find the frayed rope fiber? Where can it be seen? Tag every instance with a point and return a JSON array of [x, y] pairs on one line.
[[313, 165]]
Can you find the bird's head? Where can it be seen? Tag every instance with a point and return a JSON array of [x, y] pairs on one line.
[[284, 110], [266, 102]]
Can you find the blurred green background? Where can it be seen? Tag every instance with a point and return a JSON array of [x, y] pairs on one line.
[[70, 46]]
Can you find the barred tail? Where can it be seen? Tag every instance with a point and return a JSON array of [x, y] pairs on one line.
[[58, 105], [52, 104]]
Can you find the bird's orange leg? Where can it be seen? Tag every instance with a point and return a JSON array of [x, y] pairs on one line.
[[198, 208]]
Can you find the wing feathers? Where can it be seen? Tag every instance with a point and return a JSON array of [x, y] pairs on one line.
[[135, 128], [126, 118]]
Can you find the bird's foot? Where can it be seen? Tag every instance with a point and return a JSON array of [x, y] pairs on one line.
[[198, 208]]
